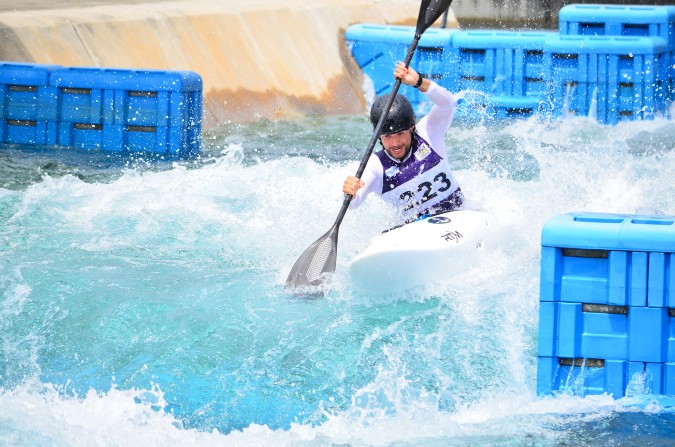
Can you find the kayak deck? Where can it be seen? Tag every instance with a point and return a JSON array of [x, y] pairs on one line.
[[426, 250]]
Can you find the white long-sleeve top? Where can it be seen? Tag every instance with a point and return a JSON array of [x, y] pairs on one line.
[[412, 185]]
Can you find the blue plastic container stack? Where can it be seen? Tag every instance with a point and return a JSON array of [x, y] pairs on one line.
[[617, 20], [609, 78], [609, 62], [607, 304], [655, 22], [27, 104], [620, 20], [155, 111], [94, 108], [508, 67], [377, 49]]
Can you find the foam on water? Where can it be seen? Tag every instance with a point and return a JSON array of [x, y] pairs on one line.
[[147, 307]]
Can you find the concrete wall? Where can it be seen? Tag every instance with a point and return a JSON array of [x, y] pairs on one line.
[[258, 58]]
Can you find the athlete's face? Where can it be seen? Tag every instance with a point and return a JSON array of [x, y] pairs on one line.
[[397, 144]]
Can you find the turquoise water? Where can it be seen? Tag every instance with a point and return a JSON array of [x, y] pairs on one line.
[[142, 298]]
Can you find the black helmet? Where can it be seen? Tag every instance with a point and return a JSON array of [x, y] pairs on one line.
[[401, 116]]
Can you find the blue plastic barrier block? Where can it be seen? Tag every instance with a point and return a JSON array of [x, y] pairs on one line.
[[548, 329], [501, 63], [432, 61], [612, 259], [627, 283], [112, 137], [484, 106], [516, 106], [661, 292], [610, 79], [669, 387], [547, 372], [133, 97], [570, 329], [638, 334], [171, 140], [593, 276], [27, 103], [605, 335], [606, 231], [649, 331], [91, 136], [656, 375], [161, 108], [153, 110], [581, 377], [648, 377], [392, 37], [147, 138], [620, 20], [377, 49], [584, 279], [550, 273], [25, 132], [671, 335], [614, 380], [26, 94], [566, 330], [85, 105]]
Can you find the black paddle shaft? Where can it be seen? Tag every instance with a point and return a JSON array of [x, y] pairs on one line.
[[320, 257]]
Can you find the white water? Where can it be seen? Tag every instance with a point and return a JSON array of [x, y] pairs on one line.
[[179, 257]]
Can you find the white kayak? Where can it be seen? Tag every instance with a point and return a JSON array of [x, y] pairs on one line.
[[427, 250]]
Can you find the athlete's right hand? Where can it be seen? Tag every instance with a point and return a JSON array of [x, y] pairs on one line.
[[352, 185]]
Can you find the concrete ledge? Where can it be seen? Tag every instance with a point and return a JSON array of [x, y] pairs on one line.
[[258, 58]]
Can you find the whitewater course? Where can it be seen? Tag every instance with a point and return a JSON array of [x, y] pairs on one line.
[[142, 299]]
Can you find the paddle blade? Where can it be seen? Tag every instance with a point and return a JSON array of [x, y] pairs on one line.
[[430, 11], [318, 259]]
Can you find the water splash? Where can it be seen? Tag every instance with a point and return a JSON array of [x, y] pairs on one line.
[[155, 295]]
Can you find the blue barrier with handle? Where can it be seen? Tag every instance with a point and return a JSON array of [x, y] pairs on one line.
[[27, 104]]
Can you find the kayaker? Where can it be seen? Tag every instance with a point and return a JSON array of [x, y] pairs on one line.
[[411, 171]]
